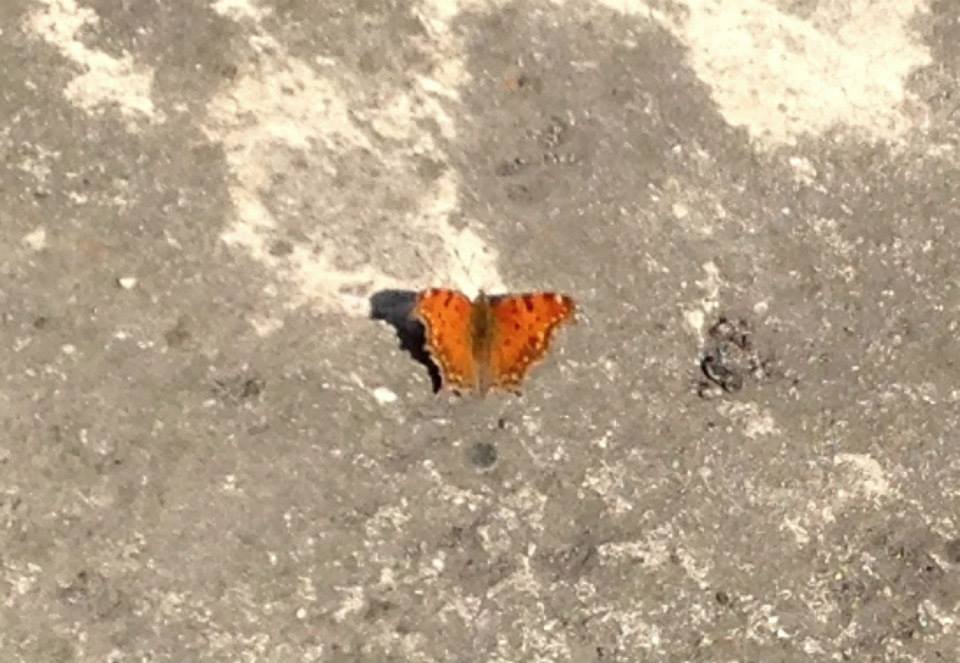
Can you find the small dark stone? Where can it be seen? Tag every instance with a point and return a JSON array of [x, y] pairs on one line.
[[281, 247], [510, 167], [229, 71], [178, 335], [41, 322], [253, 387], [722, 597], [953, 551], [483, 455]]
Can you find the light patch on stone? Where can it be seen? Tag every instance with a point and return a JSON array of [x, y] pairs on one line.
[[812, 647], [447, 493], [828, 230], [439, 14], [634, 632], [229, 484], [653, 549], [522, 581], [466, 608], [265, 325], [542, 636], [792, 525], [35, 240], [931, 612], [518, 514], [20, 577], [307, 589], [106, 81], [754, 422], [284, 103], [469, 263], [609, 482], [37, 163], [696, 317], [387, 521], [758, 424], [384, 395], [762, 622], [695, 320], [804, 171], [782, 76], [524, 507], [710, 286], [863, 476], [352, 602], [697, 570], [240, 9]]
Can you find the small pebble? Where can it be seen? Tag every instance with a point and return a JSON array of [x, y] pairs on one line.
[[127, 282]]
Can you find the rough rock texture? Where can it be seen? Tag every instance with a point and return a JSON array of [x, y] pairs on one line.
[[215, 448]]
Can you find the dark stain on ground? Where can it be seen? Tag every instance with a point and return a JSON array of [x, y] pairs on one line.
[[239, 388], [483, 455]]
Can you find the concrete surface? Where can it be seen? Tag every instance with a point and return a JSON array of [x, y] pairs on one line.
[[210, 450]]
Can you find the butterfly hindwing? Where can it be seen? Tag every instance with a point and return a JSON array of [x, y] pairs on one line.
[[446, 316], [523, 326]]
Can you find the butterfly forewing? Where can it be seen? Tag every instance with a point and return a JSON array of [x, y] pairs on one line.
[[523, 327], [446, 316]]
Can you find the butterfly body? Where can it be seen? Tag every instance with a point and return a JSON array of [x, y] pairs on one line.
[[492, 341]]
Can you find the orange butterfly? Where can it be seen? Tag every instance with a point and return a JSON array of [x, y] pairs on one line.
[[491, 341]]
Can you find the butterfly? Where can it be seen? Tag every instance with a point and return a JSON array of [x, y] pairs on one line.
[[492, 341]]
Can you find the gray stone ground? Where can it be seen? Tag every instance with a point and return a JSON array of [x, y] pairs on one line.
[[210, 450]]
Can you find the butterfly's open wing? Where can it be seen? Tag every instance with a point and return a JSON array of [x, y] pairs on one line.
[[446, 315], [523, 326]]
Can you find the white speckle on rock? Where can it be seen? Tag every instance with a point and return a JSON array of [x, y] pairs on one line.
[[799, 532], [68, 348], [36, 240], [127, 282], [609, 482], [107, 81], [240, 9], [864, 476], [695, 320], [696, 315], [352, 602], [803, 170], [754, 422], [265, 326], [384, 395]]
